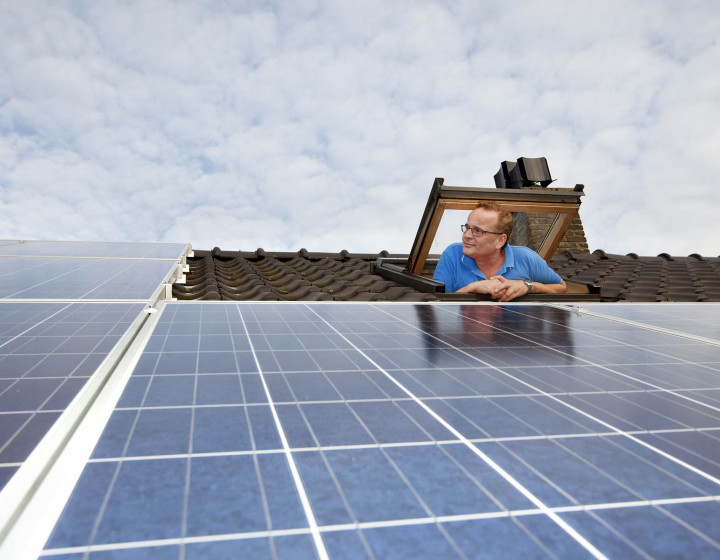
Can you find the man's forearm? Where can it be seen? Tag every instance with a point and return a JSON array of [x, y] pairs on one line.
[[540, 288]]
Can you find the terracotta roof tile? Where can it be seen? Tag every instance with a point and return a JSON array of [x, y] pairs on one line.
[[306, 276], [634, 278]]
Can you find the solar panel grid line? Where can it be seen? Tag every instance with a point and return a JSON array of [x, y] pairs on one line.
[[389, 445], [195, 455], [529, 437], [300, 487], [607, 424], [511, 513], [377, 525], [516, 484], [638, 503], [171, 541], [35, 496], [186, 496]]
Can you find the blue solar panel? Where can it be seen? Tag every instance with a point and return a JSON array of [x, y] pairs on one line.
[[404, 431], [66, 278], [47, 353], [93, 249]]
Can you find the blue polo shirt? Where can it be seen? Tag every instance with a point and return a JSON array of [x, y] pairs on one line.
[[456, 271]]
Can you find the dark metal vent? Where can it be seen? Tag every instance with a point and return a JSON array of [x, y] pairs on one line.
[[526, 172]]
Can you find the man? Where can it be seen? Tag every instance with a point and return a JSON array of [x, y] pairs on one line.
[[485, 264]]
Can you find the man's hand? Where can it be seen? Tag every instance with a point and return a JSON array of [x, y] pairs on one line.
[[490, 287], [509, 289]]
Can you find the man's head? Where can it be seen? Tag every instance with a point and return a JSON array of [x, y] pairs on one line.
[[492, 219], [504, 218]]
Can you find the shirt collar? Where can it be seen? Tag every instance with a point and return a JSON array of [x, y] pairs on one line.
[[509, 259]]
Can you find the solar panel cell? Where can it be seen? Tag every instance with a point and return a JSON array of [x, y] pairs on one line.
[[234, 428]]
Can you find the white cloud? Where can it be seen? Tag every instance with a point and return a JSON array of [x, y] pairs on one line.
[[323, 124]]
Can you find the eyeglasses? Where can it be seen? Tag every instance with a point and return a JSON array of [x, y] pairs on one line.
[[476, 231]]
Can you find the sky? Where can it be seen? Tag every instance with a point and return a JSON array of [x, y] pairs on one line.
[[322, 124]]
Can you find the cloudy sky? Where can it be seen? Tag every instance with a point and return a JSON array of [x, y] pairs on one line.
[[322, 124]]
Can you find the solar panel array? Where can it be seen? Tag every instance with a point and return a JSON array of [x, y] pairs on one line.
[[49, 349], [409, 431]]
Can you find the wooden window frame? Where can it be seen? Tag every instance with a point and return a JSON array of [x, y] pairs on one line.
[[565, 203]]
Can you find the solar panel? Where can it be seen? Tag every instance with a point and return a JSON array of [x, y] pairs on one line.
[[48, 351], [405, 431], [93, 249], [56, 356], [64, 278], [699, 320]]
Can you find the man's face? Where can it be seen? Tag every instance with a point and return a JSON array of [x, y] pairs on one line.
[[487, 243]]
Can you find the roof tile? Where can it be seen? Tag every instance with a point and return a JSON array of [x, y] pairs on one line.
[[306, 276]]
